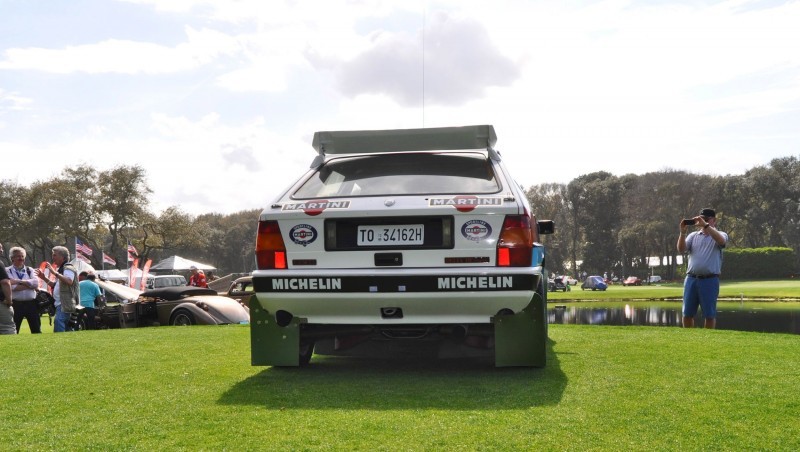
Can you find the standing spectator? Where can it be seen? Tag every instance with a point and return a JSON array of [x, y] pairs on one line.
[[701, 287], [65, 287], [198, 279], [24, 285], [89, 292], [6, 311]]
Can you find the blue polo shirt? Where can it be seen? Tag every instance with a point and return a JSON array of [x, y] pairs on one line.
[[89, 290], [705, 254]]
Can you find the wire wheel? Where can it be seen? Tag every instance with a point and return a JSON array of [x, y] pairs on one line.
[[182, 317]]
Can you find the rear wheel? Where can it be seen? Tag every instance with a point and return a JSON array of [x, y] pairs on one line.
[[182, 317], [306, 350]]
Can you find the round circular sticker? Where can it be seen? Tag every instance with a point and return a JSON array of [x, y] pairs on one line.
[[303, 234], [476, 230]]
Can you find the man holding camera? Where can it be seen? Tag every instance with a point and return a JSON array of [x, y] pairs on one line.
[[704, 247]]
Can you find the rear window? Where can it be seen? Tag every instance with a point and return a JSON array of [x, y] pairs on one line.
[[170, 281], [402, 174]]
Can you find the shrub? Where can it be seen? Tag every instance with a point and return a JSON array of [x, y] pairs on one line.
[[758, 263]]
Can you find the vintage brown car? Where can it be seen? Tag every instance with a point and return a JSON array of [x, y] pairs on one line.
[[171, 306]]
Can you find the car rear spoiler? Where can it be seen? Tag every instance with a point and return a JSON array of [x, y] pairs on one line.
[[404, 140]]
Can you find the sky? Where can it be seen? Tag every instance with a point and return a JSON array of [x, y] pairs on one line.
[[218, 100]]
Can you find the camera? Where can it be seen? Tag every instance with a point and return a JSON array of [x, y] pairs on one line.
[[688, 221]]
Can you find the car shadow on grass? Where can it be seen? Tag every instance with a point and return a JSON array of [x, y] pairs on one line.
[[401, 383]]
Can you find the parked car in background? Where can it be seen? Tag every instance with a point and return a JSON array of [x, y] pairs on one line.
[[161, 281], [558, 283], [401, 240], [594, 283], [653, 279], [241, 290], [632, 281]]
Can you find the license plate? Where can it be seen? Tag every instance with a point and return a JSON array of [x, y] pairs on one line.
[[405, 234]]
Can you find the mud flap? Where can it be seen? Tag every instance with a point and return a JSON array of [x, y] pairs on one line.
[[270, 344], [521, 339]]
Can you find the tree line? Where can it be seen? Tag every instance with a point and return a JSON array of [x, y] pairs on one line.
[[608, 223], [109, 209], [604, 223]]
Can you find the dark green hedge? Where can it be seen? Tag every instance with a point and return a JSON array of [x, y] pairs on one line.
[[758, 263]]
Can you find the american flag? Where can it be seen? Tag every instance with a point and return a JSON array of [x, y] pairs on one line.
[[132, 253], [82, 247], [108, 259], [83, 258]]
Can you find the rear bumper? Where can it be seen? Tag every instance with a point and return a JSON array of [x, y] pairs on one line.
[[422, 296]]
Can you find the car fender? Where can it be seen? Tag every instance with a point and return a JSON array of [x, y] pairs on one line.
[[201, 316]]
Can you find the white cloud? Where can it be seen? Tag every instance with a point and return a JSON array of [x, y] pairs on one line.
[[222, 168], [125, 57], [10, 101], [455, 63]]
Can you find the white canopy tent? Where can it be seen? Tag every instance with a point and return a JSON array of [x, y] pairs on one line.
[[177, 263]]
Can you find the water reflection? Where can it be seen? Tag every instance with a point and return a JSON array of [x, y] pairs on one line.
[[762, 317]]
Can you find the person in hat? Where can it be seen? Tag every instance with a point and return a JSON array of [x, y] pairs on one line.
[[198, 278], [704, 246]]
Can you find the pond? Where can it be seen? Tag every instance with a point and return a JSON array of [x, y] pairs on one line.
[[769, 317]]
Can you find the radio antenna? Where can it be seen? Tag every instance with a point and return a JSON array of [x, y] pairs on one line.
[[424, 11]]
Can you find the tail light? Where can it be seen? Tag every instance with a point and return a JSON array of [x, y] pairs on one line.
[[270, 250], [515, 246]]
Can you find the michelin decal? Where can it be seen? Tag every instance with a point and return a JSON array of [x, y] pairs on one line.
[[394, 284]]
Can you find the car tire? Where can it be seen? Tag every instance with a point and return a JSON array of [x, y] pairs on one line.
[[306, 350], [182, 317]]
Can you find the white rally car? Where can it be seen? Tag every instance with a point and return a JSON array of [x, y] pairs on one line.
[[398, 240]]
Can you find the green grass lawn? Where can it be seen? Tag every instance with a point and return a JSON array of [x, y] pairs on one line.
[[755, 290], [603, 388]]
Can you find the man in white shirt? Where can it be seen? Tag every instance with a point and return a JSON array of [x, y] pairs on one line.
[[24, 285]]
